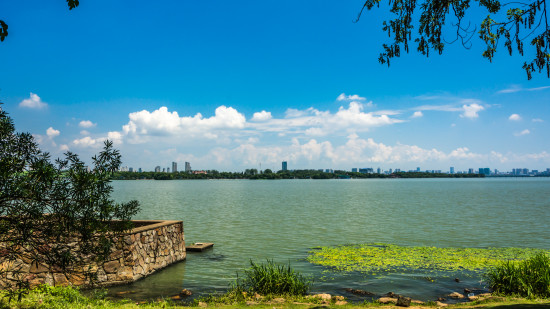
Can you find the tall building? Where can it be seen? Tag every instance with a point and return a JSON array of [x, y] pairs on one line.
[[418, 169], [378, 170], [174, 167], [452, 171], [139, 170], [354, 169], [470, 171], [187, 167], [485, 171], [168, 170], [284, 166], [157, 169], [164, 169]]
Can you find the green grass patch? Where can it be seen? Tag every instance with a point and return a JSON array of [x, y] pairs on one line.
[[272, 279], [527, 278], [376, 258]]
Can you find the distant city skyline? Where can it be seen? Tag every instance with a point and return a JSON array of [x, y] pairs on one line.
[[219, 85]]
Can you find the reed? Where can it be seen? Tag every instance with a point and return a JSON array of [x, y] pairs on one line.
[[527, 278], [272, 279]]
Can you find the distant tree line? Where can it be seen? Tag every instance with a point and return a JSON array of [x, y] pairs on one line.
[[269, 174]]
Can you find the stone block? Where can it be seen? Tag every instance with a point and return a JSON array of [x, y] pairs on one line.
[[111, 267]]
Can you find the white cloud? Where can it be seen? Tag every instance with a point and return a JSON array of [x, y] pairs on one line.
[[84, 132], [417, 114], [514, 117], [86, 124], [162, 123], [63, 147], [537, 120], [261, 116], [88, 142], [517, 88], [51, 132], [471, 110], [33, 102], [355, 97], [524, 132]]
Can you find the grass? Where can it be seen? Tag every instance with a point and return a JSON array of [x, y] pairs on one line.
[[375, 258], [528, 278], [272, 279], [67, 297]]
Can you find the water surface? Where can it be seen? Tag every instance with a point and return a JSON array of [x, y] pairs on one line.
[[283, 219]]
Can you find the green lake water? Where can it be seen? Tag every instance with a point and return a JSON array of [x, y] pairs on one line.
[[283, 219]]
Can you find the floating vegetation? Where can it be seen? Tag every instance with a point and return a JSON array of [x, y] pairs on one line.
[[374, 258]]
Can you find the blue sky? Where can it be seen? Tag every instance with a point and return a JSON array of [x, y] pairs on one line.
[[228, 85]]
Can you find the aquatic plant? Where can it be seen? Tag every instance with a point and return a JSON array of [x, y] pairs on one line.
[[270, 278], [373, 258], [527, 278]]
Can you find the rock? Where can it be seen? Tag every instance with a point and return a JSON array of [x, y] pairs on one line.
[[323, 296], [472, 298], [279, 300], [258, 296], [457, 280], [403, 301], [417, 302], [456, 295], [440, 304], [391, 294], [185, 293], [358, 292], [111, 267], [341, 303], [338, 298], [467, 291], [441, 299], [387, 300], [203, 304]]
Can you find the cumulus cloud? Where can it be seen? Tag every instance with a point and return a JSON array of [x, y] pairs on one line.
[[86, 124], [261, 116], [471, 110], [33, 102], [417, 114], [354, 97], [161, 123], [514, 117], [524, 132], [63, 147], [51, 132]]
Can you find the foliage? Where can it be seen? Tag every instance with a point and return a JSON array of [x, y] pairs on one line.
[[374, 258], [58, 215], [522, 21], [527, 278], [272, 279]]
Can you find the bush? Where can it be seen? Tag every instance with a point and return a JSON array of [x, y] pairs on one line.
[[528, 278], [55, 214], [271, 278]]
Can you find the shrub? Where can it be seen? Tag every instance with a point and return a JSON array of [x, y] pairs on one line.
[[528, 278], [55, 214], [270, 278]]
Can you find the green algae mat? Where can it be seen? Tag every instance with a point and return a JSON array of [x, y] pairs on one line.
[[376, 258]]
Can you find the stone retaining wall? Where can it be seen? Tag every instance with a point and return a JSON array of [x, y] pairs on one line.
[[151, 246]]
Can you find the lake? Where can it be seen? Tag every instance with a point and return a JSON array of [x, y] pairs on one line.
[[283, 219]]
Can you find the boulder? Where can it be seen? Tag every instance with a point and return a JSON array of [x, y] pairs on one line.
[[456, 295], [403, 301]]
